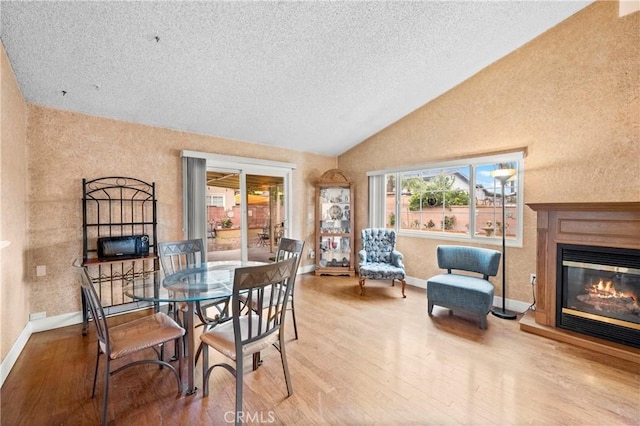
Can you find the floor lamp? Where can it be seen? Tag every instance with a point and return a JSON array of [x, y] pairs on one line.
[[503, 175]]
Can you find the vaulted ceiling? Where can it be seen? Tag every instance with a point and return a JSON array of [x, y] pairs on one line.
[[312, 76]]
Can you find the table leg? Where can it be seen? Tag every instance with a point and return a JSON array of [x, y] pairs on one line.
[[190, 352]]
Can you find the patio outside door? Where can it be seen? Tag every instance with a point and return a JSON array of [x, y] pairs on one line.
[[240, 205], [265, 216], [245, 215]]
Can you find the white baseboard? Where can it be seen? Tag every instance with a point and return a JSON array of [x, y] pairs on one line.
[[14, 353], [58, 321], [306, 269], [416, 282], [510, 304], [516, 306], [34, 326]]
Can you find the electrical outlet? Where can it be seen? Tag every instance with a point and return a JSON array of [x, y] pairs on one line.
[[532, 279], [41, 270]]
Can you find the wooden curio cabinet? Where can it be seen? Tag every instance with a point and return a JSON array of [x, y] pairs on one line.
[[334, 224]]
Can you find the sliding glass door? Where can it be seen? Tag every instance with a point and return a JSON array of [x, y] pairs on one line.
[[224, 221], [247, 207], [263, 220]]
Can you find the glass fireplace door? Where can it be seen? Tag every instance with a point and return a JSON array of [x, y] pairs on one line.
[[599, 290]]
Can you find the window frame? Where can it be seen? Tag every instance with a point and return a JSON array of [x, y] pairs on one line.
[[377, 197], [211, 197]]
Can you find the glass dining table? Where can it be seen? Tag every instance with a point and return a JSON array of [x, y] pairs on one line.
[[193, 284]]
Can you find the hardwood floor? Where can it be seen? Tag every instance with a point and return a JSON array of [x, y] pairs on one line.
[[372, 359]]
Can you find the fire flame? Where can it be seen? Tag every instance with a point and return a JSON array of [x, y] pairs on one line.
[[606, 290]]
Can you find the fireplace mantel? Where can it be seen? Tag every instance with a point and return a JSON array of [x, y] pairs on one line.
[[614, 224]]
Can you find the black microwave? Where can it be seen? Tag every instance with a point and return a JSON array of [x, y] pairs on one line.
[[123, 247]]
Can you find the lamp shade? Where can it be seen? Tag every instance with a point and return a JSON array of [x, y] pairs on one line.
[[503, 175]]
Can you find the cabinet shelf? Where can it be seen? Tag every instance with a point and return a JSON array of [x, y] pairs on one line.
[[328, 234], [334, 225], [96, 261]]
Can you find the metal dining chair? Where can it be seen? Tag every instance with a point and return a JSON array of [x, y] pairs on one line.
[[177, 255], [123, 340], [287, 248], [251, 331]]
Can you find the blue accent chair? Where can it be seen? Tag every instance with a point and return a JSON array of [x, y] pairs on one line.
[[464, 292], [379, 260]]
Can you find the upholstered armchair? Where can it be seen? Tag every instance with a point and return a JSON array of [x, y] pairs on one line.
[[379, 260], [464, 292]]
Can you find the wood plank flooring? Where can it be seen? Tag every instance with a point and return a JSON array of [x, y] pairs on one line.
[[372, 359]]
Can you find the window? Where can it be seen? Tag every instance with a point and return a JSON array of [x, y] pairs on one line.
[[452, 200], [215, 200]]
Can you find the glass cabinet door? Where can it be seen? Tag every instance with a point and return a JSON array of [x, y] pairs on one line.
[[334, 227]]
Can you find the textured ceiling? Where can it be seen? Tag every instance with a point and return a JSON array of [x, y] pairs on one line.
[[312, 76]]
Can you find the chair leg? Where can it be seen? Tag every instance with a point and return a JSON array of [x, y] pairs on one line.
[[175, 349], [205, 369], [239, 376], [293, 315], [361, 286], [199, 351], [429, 307], [483, 322], [176, 316], [257, 360], [179, 355], [106, 392], [404, 284], [95, 373], [285, 366]]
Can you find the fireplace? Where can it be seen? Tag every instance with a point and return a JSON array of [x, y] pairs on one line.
[[597, 292], [587, 284]]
